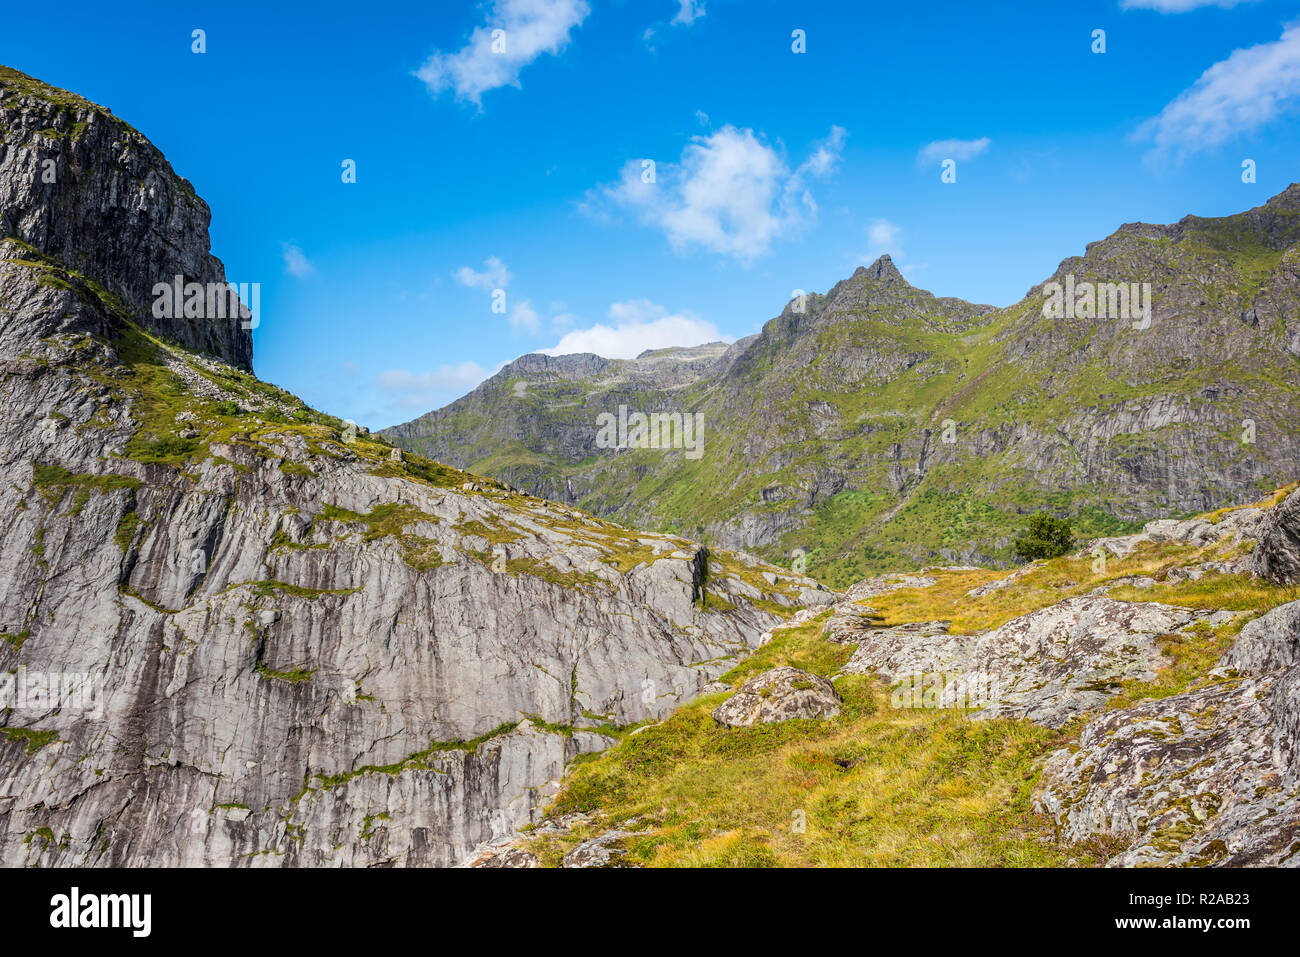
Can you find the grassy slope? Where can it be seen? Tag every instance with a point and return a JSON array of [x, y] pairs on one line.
[[880, 785]]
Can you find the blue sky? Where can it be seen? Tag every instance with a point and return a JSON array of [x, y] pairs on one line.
[[522, 170]]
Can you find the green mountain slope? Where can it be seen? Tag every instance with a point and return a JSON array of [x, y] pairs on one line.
[[884, 428]]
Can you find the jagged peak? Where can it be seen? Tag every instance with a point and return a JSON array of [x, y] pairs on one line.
[[1289, 198], [883, 270]]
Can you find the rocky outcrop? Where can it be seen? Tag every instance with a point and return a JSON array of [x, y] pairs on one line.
[[1210, 776], [1269, 643], [1046, 666], [780, 694], [1277, 557], [601, 851], [1236, 525], [82, 187]]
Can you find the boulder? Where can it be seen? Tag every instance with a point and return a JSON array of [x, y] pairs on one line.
[[600, 851], [1267, 644], [1277, 556], [779, 695]]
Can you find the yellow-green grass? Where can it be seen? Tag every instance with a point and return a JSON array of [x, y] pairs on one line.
[[1048, 582], [874, 786]]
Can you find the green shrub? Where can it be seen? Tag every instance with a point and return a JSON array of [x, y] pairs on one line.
[[1046, 537]]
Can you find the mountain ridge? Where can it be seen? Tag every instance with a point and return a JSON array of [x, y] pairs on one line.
[[1084, 416]]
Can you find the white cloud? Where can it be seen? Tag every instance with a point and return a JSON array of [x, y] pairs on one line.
[[531, 28], [731, 193], [524, 318], [1252, 87], [884, 237], [420, 390], [637, 325], [495, 275], [960, 150], [691, 10], [1178, 6], [296, 262]]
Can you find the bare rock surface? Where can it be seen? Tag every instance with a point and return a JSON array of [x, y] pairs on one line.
[[1205, 777], [1277, 556], [780, 694], [1269, 643], [1046, 666]]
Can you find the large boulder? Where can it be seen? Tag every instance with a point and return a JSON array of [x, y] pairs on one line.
[[1277, 556], [779, 695], [1267, 644]]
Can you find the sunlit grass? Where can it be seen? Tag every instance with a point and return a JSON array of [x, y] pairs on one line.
[[874, 786]]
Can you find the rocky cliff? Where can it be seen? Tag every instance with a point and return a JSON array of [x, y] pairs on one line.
[[879, 427], [85, 188], [237, 632]]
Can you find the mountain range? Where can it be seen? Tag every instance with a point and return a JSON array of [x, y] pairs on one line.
[[878, 427]]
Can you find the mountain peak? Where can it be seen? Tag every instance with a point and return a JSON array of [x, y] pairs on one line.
[[882, 269], [1289, 198], [113, 209]]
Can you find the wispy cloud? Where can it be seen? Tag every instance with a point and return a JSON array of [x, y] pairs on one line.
[[494, 275], [884, 236], [524, 318], [731, 193], [689, 12], [296, 262], [516, 33], [637, 325], [1179, 6], [1252, 87], [959, 150], [421, 390]]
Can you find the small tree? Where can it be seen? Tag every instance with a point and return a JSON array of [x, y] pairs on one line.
[[1046, 537]]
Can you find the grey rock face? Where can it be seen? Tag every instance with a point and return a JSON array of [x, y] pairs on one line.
[[115, 211], [1208, 777], [1046, 666], [1269, 643], [779, 695], [1277, 556]]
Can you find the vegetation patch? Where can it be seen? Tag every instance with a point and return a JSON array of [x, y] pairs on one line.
[[30, 738]]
